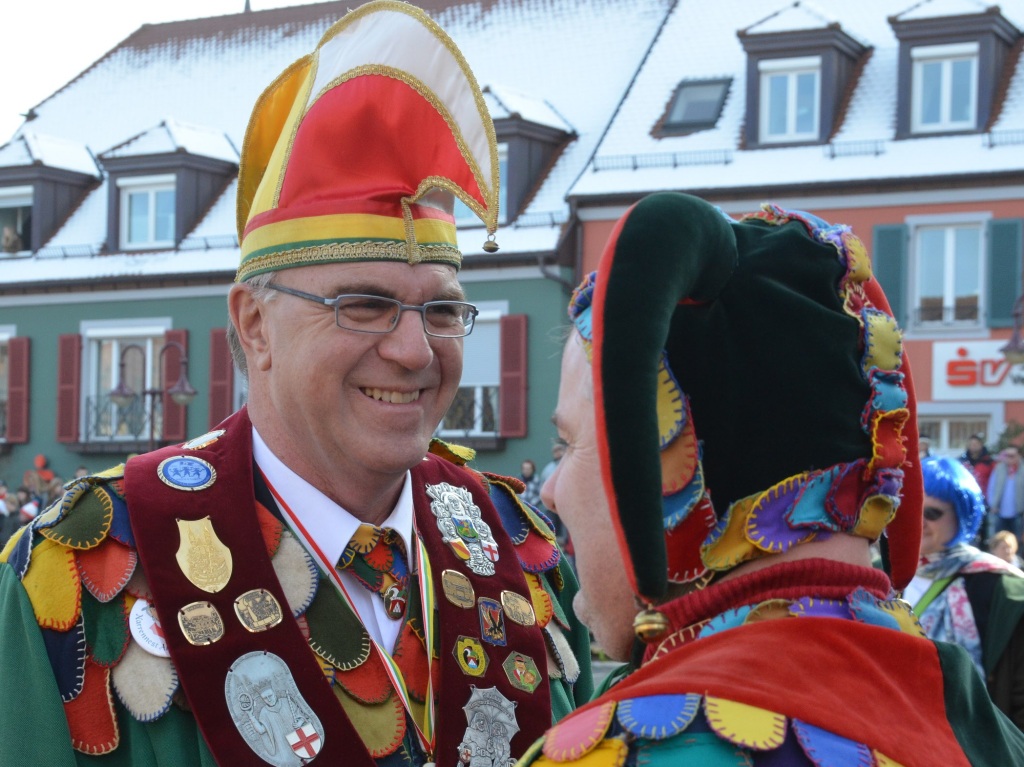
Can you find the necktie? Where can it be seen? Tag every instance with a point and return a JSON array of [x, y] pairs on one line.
[[376, 557]]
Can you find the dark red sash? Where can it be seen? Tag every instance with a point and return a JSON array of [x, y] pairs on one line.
[[154, 508], [533, 710]]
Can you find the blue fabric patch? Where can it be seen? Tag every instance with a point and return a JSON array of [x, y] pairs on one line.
[[730, 619], [865, 609], [66, 650], [809, 509], [512, 518], [22, 552], [120, 523], [657, 717], [888, 391], [826, 749]]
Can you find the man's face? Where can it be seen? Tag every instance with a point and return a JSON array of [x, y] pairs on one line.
[[575, 492], [1012, 456], [334, 403], [974, 446]]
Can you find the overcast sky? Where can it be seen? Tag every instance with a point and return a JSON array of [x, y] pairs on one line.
[[48, 42]]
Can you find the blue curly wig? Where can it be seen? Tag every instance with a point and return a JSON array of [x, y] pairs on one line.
[[949, 481]]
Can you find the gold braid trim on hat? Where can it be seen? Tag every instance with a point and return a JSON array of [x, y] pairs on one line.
[[346, 251]]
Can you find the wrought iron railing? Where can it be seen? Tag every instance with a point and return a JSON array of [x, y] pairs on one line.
[[964, 312], [473, 413], [106, 421]]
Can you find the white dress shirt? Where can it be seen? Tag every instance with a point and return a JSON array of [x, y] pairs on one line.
[[331, 527]]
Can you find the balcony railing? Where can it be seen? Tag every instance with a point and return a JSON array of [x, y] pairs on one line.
[[106, 422], [964, 312]]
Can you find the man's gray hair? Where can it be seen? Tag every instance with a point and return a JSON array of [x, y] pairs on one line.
[[258, 288]]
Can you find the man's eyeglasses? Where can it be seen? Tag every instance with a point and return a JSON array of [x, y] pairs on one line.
[[376, 314], [933, 514]]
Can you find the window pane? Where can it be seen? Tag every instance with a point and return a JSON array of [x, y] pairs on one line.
[[503, 186], [931, 92], [138, 217], [15, 228], [961, 89], [931, 279], [460, 414], [164, 229], [696, 104], [967, 272], [806, 95], [778, 87], [961, 430]]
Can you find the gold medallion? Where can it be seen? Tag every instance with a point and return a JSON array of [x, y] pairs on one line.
[[200, 623], [518, 608], [457, 588], [201, 555], [258, 610], [204, 440]]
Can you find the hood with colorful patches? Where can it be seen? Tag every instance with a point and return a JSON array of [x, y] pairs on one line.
[[750, 391]]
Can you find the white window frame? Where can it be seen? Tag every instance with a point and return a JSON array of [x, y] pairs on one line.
[[490, 312], [949, 223], [945, 412], [151, 185], [464, 215], [17, 197], [791, 68], [7, 332], [95, 331], [945, 55]]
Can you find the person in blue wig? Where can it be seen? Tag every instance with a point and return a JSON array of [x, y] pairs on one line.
[[964, 595]]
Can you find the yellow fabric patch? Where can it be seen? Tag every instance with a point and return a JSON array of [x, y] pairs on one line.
[[883, 342], [877, 512], [542, 606], [904, 615], [669, 404], [881, 760], [610, 752], [745, 725], [54, 586], [857, 261], [732, 547], [770, 609], [456, 454], [381, 726]]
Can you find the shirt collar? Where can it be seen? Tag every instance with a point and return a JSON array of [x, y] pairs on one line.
[[329, 525]]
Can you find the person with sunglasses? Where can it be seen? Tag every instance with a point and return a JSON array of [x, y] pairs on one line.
[[316, 577], [966, 596]]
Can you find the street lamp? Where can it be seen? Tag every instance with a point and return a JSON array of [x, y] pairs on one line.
[[1014, 350], [181, 391]]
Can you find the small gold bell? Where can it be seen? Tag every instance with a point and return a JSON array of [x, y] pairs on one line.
[[650, 625], [490, 246]]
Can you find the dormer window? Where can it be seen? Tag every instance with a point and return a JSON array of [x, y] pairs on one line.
[[790, 99], [466, 217], [799, 80], [696, 105], [147, 211], [945, 83], [16, 219], [950, 70]]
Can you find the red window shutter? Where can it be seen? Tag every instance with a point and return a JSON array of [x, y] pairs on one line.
[[513, 376], [17, 390], [174, 415], [69, 377], [222, 376]]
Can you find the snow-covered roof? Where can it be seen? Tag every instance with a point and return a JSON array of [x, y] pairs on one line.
[[561, 63], [700, 41], [174, 136], [504, 103], [32, 148]]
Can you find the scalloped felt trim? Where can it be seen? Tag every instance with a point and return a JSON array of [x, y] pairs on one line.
[[381, 727], [297, 573], [744, 725], [144, 683], [84, 519], [106, 569], [106, 629], [54, 586], [826, 749], [91, 717], [577, 735], [66, 651], [657, 717]]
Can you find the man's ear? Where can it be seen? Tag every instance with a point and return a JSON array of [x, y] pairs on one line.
[[249, 318]]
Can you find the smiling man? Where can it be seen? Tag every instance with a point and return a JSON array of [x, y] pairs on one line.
[[314, 579]]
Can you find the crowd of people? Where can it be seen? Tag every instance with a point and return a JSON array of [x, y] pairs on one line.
[[317, 579]]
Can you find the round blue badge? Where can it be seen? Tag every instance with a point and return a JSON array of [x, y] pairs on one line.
[[186, 472]]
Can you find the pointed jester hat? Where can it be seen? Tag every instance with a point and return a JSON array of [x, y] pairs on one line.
[[749, 388], [357, 150]]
